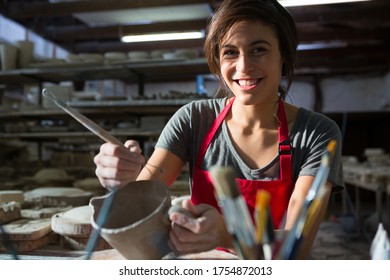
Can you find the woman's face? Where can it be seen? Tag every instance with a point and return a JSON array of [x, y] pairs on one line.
[[251, 63]]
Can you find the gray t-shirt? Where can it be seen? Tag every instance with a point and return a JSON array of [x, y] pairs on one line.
[[309, 138]]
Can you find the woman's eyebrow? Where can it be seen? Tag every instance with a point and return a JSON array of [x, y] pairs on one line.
[[257, 42]]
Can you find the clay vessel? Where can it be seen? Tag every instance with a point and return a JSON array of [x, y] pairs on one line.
[[137, 224]]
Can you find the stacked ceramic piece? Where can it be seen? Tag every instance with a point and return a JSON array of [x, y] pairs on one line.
[[112, 57], [23, 234], [376, 157], [53, 177], [74, 227]]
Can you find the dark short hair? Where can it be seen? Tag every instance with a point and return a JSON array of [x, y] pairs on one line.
[[268, 12]]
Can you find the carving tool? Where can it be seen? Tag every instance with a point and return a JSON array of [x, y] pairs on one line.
[[107, 137], [235, 211], [89, 124], [86, 122]]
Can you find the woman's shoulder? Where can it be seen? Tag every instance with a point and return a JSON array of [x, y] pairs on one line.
[[310, 120], [312, 116], [295, 113]]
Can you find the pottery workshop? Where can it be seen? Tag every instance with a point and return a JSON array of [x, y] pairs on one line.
[[245, 129]]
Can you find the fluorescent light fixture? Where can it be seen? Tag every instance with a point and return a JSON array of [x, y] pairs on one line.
[[162, 37], [322, 45], [292, 3]]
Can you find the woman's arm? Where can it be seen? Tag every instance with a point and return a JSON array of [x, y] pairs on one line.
[[163, 165]]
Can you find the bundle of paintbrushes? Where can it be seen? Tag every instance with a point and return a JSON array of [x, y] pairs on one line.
[[294, 246], [258, 240], [235, 211]]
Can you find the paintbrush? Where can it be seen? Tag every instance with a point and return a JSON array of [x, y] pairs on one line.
[[322, 174], [291, 244], [313, 214], [261, 214], [265, 235], [235, 211]]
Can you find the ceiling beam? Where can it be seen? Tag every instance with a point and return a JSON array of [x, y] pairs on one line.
[[29, 9], [343, 33], [377, 9]]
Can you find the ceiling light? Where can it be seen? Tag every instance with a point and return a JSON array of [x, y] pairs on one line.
[[291, 3], [162, 36], [321, 45]]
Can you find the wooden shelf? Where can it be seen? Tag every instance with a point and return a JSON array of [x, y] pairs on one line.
[[75, 134], [99, 109], [147, 71]]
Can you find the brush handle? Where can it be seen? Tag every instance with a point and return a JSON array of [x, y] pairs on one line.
[[86, 122]]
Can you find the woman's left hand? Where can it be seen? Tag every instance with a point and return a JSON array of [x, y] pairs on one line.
[[204, 231]]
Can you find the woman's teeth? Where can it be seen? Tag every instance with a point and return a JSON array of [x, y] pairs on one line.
[[247, 83]]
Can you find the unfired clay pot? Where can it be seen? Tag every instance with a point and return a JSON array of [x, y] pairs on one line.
[[137, 225]]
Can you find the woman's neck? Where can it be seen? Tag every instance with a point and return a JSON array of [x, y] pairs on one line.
[[263, 116]]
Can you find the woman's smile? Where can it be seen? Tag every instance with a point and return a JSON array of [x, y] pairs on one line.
[[247, 84]]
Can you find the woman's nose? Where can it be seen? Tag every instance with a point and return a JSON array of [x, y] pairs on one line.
[[244, 64]]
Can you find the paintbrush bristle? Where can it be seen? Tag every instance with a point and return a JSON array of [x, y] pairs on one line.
[[224, 180]]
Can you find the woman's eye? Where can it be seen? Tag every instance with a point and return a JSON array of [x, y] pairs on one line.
[[259, 50], [229, 52]]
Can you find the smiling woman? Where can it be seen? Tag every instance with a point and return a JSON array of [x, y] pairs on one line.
[[251, 64], [271, 145], [277, 20]]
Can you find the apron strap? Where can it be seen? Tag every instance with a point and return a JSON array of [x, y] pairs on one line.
[[210, 134], [284, 144]]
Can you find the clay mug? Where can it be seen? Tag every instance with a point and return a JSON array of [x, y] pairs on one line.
[[137, 225]]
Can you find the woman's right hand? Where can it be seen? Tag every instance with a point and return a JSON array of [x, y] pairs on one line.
[[116, 166]]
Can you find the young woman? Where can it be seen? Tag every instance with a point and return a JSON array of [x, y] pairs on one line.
[[272, 145]]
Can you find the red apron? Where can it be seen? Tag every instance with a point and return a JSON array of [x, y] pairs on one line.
[[280, 189]]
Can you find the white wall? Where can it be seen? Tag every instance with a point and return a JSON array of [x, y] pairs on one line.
[[302, 94], [356, 93]]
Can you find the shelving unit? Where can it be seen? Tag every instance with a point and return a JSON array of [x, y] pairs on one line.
[[139, 72], [131, 71]]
